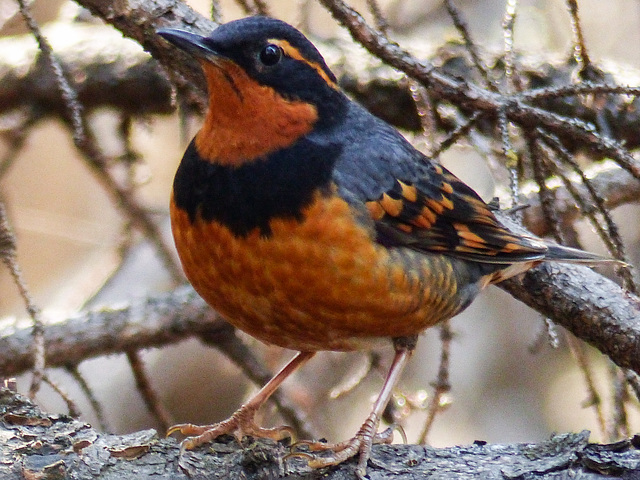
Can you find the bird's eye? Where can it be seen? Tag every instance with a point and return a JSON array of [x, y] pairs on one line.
[[270, 55]]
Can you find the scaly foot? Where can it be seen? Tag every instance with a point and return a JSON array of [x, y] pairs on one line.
[[367, 435], [241, 424], [360, 444]]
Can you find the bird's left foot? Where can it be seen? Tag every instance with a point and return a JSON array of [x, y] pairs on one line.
[[322, 455]]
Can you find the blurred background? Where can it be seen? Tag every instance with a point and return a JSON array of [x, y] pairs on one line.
[[77, 251]]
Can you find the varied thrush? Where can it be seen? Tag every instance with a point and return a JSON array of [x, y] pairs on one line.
[[311, 224]]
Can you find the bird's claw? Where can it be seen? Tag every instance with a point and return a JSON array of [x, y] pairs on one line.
[[320, 454], [241, 424]]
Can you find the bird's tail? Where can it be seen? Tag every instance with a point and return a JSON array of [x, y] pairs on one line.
[[560, 253]]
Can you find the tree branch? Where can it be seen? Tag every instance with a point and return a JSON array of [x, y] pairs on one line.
[[40, 445], [108, 71], [140, 21], [589, 305], [155, 321]]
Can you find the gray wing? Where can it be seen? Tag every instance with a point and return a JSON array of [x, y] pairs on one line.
[[415, 202]]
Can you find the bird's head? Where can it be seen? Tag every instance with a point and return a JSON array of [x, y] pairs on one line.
[[268, 85]]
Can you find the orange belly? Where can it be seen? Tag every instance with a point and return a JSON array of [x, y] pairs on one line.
[[316, 284]]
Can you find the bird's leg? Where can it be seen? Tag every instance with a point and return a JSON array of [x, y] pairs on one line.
[[362, 442], [242, 422]]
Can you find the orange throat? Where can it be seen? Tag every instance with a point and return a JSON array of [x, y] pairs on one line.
[[247, 120]]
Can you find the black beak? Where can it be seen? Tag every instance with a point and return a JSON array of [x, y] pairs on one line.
[[191, 43]]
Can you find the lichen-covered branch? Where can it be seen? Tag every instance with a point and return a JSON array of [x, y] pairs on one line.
[[67, 448]]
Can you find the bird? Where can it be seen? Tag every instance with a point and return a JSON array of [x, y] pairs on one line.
[[311, 224]]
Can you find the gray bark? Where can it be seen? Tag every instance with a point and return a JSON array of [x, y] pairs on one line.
[[37, 445]]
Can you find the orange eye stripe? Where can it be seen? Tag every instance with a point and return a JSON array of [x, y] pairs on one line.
[[291, 51]]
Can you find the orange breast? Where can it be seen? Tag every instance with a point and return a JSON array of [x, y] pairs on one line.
[[318, 284]]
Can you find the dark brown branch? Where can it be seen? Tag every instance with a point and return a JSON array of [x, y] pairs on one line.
[[586, 303], [461, 92], [66, 448], [109, 71], [140, 20]]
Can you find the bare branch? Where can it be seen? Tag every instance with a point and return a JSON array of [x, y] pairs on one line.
[[602, 314], [461, 92], [149, 394], [152, 322], [95, 404], [579, 46], [470, 45], [140, 20], [442, 384], [77, 451], [35, 343]]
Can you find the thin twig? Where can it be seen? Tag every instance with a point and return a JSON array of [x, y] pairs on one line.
[[580, 53], [149, 395], [546, 196], [513, 161], [8, 257], [17, 136], [215, 11], [514, 83], [442, 385], [470, 45], [347, 384], [71, 405], [619, 427], [634, 382], [378, 16], [426, 113], [88, 392], [462, 128], [244, 5], [610, 236], [548, 335], [593, 400], [68, 93], [261, 7], [582, 88]]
